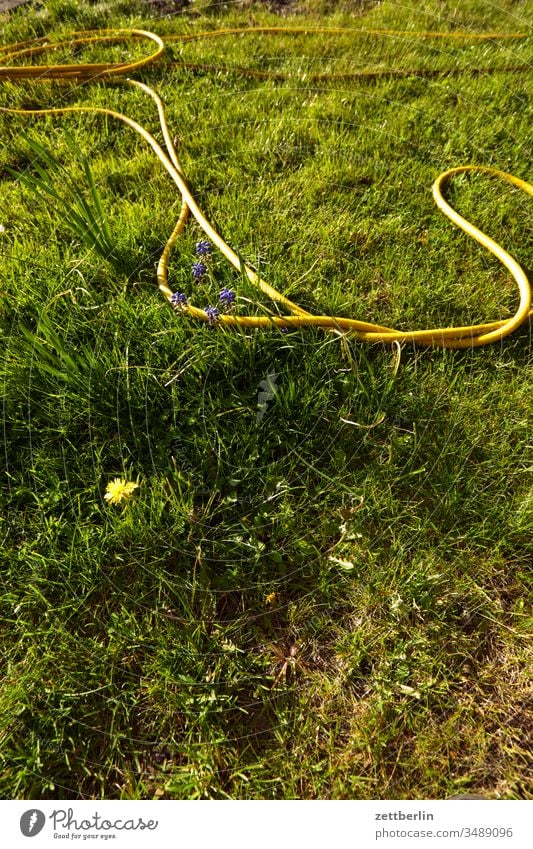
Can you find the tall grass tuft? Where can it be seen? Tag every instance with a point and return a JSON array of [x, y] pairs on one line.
[[82, 211]]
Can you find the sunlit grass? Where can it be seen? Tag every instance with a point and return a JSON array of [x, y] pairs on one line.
[[320, 591]]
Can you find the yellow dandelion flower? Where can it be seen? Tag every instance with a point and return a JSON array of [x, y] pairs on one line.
[[270, 598], [119, 490]]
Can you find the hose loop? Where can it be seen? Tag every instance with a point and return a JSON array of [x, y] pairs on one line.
[[469, 336]]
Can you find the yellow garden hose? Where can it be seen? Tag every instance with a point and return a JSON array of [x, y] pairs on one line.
[[450, 337]]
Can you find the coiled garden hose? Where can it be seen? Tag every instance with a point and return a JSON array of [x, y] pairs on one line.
[[450, 337]]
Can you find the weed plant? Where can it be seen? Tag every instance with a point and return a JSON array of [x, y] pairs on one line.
[[319, 586]]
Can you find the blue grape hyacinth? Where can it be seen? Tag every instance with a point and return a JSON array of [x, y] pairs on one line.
[[178, 299], [227, 297], [204, 248], [199, 270], [211, 313]]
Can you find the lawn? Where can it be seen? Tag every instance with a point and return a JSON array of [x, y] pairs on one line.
[[319, 587]]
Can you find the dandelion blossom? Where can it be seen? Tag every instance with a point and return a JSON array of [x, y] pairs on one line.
[[119, 490]]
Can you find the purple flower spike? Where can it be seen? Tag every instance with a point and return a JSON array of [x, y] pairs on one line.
[[227, 297], [204, 248], [178, 299], [211, 313], [199, 270]]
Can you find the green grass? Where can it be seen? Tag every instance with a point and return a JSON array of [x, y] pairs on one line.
[[290, 605]]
